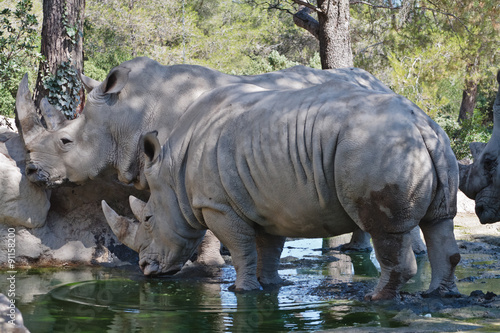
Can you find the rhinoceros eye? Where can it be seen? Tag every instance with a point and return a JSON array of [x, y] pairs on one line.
[[65, 141], [147, 223]]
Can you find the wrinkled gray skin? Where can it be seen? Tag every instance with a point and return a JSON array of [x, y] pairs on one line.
[[137, 97], [480, 180], [22, 203], [261, 165]]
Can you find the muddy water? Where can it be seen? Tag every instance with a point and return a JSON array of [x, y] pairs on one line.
[[324, 292]]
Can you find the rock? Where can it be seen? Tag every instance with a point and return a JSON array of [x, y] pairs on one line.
[[464, 204], [11, 319]]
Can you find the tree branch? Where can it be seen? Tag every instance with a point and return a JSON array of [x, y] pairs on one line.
[[308, 5], [361, 2], [304, 20]]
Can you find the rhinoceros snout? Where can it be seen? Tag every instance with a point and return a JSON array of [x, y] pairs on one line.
[[485, 215], [34, 175]]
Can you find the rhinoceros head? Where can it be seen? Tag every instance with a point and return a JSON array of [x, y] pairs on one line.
[[69, 150], [481, 180], [161, 236]]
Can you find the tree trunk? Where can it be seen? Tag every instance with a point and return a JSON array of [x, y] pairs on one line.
[[468, 100], [61, 40], [334, 37]]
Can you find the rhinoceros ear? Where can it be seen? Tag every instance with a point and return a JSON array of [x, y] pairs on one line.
[[116, 80], [27, 120], [476, 148], [53, 117], [88, 83], [151, 145]]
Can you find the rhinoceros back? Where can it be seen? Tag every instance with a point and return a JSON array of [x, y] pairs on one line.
[[273, 156]]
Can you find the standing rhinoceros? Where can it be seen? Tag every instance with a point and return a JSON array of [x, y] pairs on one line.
[[138, 96], [480, 181], [255, 165]]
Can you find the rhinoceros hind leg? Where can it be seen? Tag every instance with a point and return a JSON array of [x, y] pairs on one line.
[[417, 243], [269, 248], [397, 263], [239, 238], [443, 255], [209, 251]]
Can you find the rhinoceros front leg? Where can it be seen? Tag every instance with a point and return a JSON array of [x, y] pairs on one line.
[[397, 263], [443, 255], [360, 241], [239, 238], [269, 248], [209, 251]]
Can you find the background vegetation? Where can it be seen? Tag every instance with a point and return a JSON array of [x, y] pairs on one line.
[[428, 51]]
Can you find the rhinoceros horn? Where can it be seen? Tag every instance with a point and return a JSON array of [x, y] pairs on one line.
[[137, 206], [27, 120], [53, 117], [124, 228]]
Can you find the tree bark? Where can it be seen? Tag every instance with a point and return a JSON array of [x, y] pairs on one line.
[[469, 97], [56, 45], [334, 36], [304, 20]]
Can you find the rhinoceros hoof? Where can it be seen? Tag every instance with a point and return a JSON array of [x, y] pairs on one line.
[[271, 281], [381, 295], [442, 292]]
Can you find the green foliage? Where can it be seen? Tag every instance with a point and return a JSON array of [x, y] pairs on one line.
[[64, 88], [72, 31], [475, 129], [273, 62], [19, 43], [230, 36]]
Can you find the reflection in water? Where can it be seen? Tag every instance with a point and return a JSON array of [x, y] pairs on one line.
[[123, 300]]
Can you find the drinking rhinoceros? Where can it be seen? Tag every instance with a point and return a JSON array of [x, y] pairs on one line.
[[138, 96], [481, 180], [254, 165]]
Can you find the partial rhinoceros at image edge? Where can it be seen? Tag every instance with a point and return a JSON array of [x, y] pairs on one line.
[[480, 180]]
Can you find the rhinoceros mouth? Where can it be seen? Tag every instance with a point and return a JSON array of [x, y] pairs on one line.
[[153, 268], [42, 178]]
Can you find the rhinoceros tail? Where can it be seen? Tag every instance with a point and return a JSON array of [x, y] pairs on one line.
[[445, 165]]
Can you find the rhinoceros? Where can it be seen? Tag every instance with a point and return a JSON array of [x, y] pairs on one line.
[[255, 166], [137, 96], [22, 203], [480, 180]]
